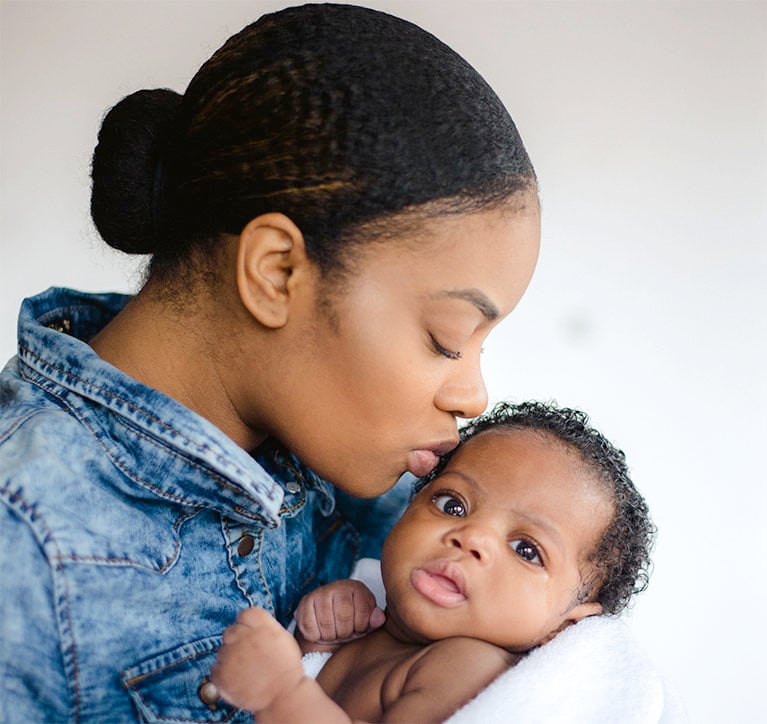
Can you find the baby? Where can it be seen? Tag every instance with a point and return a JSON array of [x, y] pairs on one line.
[[530, 525]]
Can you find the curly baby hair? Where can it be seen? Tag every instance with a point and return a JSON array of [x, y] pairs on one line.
[[621, 560], [339, 117]]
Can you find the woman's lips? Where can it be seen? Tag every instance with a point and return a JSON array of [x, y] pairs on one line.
[[441, 583], [421, 462]]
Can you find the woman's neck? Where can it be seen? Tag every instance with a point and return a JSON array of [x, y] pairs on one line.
[[181, 352]]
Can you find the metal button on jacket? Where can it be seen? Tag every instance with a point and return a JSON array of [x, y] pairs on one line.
[[246, 544], [208, 693]]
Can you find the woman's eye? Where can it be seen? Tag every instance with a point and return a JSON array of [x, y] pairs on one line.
[[439, 349], [450, 505], [525, 549]]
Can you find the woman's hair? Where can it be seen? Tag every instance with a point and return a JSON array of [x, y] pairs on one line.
[[335, 115], [620, 562]]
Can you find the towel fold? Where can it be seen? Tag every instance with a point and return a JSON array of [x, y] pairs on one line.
[[314, 661], [593, 672]]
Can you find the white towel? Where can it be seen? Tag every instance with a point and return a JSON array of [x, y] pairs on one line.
[[593, 672], [314, 661]]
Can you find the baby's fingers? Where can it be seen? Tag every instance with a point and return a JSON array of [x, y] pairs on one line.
[[257, 618], [306, 619], [338, 612], [326, 614], [333, 616], [367, 616]]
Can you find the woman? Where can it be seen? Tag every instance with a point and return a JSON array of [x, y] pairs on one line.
[[339, 210]]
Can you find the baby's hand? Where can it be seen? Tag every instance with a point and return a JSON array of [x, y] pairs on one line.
[[258, 662], [338, 612]]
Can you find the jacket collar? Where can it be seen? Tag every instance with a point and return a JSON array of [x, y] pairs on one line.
[[160, 447]]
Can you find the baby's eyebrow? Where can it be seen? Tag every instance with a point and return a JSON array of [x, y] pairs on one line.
[[544, 525], [466, 478], [474, 296]]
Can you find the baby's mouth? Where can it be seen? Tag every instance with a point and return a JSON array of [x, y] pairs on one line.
[[441, 583]]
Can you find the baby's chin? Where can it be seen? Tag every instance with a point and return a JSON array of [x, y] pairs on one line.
[[426, 627], [411, 629], [421, 627]]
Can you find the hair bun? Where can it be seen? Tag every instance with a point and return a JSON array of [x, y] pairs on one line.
[[127, 187]]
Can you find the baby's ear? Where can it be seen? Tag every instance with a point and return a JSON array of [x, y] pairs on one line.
[[582, 610]]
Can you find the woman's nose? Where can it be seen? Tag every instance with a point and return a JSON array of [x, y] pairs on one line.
[[464, 393]]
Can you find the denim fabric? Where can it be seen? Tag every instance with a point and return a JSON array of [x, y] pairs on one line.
[[132, 532]]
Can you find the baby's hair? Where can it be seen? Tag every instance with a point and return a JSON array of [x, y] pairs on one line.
[[621, 559], [350, 121]]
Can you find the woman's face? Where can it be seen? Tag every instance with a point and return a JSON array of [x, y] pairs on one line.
[[380, 371]]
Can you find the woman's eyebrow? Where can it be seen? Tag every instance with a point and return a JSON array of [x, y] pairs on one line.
[[473, 296]]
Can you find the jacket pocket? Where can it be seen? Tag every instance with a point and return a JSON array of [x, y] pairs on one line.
[[169, 687]]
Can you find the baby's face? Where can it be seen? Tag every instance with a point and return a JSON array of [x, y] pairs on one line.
[[494, 547]]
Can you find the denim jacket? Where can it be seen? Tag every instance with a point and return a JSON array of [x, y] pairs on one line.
[[132, 532]]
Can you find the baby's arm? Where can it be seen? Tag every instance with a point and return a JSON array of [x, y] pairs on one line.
[[336, 613], [259, 669]]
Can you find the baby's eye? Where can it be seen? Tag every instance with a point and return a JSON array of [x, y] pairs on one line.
[[525, 549], [450, 505]]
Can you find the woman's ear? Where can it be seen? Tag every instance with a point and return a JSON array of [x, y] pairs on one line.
[[271, 251]]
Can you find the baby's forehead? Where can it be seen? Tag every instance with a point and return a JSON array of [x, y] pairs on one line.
[[518, 431], [507, 461], [545, 442]]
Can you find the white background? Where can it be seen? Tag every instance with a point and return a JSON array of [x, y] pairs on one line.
[[647, 124]]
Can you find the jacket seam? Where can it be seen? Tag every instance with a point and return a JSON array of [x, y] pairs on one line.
[[120, 562], [109, 393], [227, 535], [18, 424], [18, 504], [260, 541], [135, 477]]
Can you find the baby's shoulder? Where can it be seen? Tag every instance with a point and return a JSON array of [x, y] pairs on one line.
[[444, 676], [457, 650]]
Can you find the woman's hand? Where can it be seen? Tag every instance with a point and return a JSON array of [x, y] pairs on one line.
[[258, 663], [335, 613]]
